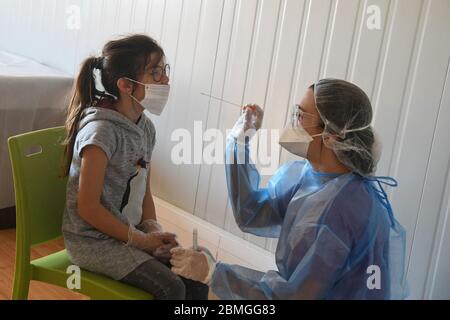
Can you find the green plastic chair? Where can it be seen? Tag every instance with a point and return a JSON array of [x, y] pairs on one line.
[[40, 200]]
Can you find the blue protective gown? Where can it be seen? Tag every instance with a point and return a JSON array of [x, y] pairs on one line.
[[338, 238]]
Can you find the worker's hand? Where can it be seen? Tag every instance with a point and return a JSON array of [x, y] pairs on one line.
[[149, 242], [163, 254], [248, 123], [197, 265], [255, 115]]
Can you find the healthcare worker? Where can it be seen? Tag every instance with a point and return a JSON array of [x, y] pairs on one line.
[[338, 238]]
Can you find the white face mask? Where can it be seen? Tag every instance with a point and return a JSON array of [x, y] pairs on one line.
[[296, 140], [155, 98]]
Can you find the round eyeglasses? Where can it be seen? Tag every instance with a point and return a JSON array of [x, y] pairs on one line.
[[158, 72]]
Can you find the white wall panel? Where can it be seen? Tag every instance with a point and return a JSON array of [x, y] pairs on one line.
[[268, 52], [435, 212], [215, 15], [212, 180], [414, 146]]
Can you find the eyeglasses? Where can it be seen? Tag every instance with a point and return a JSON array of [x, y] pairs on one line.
[[158, 72], [307, 120]]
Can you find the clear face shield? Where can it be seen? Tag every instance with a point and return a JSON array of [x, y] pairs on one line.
[[303, 119]]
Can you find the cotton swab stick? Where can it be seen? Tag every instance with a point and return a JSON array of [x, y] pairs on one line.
[[195, 239], [232, 103], [220, 99]]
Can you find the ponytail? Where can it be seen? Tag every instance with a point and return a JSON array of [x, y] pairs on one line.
[[83, 96]]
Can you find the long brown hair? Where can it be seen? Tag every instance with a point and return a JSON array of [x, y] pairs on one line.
[[125, 57]]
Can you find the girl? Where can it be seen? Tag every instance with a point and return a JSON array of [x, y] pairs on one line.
[[109, 224]]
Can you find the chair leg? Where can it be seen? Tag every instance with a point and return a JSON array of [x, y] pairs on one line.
[[21, 283], [22, 273]]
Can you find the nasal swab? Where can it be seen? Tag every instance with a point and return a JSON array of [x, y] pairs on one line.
[[220, 99], [195, 239], [232, 103]]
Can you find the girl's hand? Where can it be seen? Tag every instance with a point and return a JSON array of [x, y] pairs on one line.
[[149, 225], [149, 242], [163, 253]]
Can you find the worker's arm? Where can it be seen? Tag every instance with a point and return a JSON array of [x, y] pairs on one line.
[[258, 210], [317, 255]]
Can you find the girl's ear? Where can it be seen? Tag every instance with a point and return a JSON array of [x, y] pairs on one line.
[[125, 86]]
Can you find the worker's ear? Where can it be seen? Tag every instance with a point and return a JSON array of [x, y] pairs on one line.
[[125, 86]]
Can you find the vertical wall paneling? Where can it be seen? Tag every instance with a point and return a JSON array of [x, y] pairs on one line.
[[261, 55], [414, 153], [141, 15], [181, 107], [169, 33], [196, 120], [234, 87], [204, 74], [211, 202], [436, 286], [395, 70], [309, 59]]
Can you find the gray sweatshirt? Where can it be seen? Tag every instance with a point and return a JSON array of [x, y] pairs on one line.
[[128, 147]]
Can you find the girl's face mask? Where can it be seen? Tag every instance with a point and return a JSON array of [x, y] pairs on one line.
[[155, 98]]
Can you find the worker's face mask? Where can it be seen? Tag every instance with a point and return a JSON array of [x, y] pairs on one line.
[[294, 138], [155, 98]]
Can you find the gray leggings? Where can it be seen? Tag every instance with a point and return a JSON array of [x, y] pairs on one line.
[[156, 278]]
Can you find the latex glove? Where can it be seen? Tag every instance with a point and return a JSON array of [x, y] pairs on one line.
[[149, 242], [197, 265], [248, 123], [150, 225], [257, 115], [163, 254]]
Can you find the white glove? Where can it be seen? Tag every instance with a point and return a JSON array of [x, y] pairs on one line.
[[149, 225], [248, 123], [161, 253], [149, 242], [197, 265]]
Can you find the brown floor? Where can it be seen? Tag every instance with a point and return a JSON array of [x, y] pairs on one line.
[[38, 290]]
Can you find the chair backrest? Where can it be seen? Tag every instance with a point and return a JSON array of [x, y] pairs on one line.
[[36, 159]]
